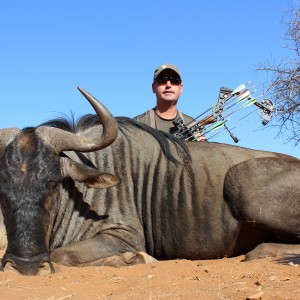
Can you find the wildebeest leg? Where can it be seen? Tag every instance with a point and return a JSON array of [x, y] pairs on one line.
[[284, 251], [103, 249], [124, 259], [264, 193]]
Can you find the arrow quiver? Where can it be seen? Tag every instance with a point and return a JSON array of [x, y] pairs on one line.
[[194, 130]]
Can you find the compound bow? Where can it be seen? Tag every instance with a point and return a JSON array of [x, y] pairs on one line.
[[216, 119]]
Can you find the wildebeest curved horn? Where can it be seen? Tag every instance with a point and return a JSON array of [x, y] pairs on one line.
[[6, 136], [89, 140]]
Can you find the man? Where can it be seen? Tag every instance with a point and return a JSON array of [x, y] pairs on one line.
[[167, 86]]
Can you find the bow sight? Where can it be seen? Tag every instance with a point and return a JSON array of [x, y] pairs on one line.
[[227, 99]]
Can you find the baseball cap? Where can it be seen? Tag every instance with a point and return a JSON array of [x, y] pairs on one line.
[[165, 67]]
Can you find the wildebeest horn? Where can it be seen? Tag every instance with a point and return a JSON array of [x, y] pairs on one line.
[[89, 140], [6, 136]]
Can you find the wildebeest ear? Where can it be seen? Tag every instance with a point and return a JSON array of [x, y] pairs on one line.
[[89, 176]]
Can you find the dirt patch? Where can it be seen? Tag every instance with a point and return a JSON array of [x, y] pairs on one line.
[[227, 278]]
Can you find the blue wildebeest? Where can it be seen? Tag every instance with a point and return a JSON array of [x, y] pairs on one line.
[[62, 200]]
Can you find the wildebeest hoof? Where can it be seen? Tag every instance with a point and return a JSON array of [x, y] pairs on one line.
[[129, 259], [141, 258], [125, 259]]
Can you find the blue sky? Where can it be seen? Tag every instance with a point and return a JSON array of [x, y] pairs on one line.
[[111, 49]]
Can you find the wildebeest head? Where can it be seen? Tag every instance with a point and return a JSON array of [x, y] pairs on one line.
[[31, 171]]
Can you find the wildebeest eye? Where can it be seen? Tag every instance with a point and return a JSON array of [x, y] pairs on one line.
[[51, 185]]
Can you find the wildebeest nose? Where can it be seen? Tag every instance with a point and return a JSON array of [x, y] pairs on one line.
[[44, 269], [37, 265]]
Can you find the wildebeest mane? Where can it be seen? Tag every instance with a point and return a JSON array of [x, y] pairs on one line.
[[90, 120]]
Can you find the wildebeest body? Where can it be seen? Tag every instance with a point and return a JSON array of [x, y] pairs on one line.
[[176, 200], [170, 210]]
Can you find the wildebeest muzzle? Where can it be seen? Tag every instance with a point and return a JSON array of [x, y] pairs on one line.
[[37, 265]]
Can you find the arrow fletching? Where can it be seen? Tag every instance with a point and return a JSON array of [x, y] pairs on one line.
[[244, 95], [217, 125], [238, 89], [249, 102]]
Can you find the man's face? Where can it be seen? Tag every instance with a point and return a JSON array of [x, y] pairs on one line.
[[167, 90]]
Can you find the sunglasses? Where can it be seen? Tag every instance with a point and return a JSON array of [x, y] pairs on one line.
[[164, 80]]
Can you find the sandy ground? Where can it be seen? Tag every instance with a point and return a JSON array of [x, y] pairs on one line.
[[227, 278]]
